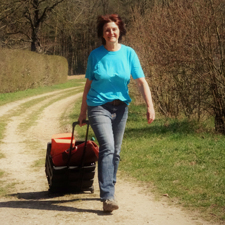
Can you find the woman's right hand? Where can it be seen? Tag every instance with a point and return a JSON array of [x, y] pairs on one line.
[[82, 118]]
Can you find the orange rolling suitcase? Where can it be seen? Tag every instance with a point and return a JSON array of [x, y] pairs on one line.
[[70, 164]]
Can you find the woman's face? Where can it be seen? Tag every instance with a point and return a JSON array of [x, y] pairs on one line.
[[111, 32]]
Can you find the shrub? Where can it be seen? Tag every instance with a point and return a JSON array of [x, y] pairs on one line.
[[20, 70]]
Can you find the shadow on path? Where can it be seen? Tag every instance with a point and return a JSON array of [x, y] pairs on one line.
[[42, 201]]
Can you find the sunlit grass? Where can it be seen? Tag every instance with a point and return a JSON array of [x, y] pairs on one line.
[[181, 162]]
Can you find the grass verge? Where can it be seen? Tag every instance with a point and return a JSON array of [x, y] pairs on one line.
[[187, 166]]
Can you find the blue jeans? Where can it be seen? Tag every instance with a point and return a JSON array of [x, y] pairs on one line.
[[108, 123]]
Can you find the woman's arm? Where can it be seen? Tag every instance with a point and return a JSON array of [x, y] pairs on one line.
[[146, 93], [83, 110]]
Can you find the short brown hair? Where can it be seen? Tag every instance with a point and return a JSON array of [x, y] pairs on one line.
[[102, 20]]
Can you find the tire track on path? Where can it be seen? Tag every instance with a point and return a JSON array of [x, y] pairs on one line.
[[4, 109]]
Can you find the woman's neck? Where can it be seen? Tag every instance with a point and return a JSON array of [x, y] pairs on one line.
[[112, 46]]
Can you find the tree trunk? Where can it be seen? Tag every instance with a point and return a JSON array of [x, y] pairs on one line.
[[35, 42], [219, 109]]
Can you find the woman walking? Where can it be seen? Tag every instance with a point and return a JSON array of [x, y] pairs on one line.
[[106, 98]]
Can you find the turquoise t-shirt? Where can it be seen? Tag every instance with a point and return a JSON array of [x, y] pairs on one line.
[[110, 73]]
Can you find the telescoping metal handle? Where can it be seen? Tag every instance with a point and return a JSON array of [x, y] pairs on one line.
[[77, 123], [72, 136]]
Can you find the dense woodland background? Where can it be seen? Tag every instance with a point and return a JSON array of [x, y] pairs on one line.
[[180, 44]]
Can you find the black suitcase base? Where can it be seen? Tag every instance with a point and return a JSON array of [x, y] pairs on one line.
[[73, 179]]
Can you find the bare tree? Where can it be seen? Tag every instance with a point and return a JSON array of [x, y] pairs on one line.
[[17, 14], [36, 11]]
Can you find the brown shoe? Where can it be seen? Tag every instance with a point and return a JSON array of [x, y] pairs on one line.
[[110, 205]]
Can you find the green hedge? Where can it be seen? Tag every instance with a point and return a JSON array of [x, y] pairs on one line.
[[20, 70]]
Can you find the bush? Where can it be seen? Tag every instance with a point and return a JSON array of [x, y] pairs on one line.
[[182, 53], [20, 70]]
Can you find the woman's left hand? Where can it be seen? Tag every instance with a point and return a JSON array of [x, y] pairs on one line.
[[150, 114], [146, 93]]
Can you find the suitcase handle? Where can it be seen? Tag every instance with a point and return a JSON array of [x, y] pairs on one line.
[[72, 136], [74, 125]]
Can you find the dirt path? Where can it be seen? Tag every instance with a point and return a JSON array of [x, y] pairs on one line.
[[30, 202]]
